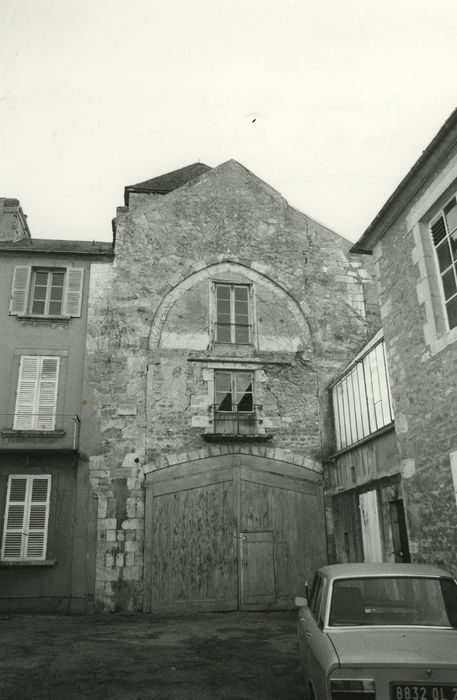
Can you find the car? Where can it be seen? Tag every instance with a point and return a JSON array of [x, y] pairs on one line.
[[379, 631]]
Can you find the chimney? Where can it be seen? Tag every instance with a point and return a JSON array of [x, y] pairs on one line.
[[13, 221]]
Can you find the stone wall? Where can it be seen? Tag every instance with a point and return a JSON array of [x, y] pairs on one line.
[[423, 370], [151, 354]]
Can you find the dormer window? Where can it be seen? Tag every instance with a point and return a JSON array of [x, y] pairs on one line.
[[232, 321]]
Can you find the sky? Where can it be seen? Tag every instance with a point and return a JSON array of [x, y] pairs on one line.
[[329, 102]]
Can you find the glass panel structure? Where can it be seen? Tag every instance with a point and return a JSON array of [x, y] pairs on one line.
[[361, 399]]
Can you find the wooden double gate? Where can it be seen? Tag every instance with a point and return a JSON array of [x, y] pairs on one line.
[[231, 532]]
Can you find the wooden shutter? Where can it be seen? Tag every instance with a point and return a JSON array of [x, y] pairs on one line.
[[26, 394], [26, 517], [20, 289], [73, 291], [36, 395], [38, 514], [47, 393]]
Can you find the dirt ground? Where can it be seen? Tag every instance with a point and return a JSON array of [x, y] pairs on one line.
[[231, 656]]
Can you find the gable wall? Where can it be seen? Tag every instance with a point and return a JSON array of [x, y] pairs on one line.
[[148, 376]]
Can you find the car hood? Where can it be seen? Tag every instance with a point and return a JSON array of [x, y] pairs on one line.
[[395, 647]]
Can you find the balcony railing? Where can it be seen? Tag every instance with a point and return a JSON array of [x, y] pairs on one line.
[[61, 430], [236, 422]]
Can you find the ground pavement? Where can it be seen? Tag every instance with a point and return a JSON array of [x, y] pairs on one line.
[[215, 656]]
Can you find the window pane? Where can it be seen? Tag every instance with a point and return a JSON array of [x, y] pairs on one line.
[[241, 334], [223, 401], [449, 285], [223, 291], [452, 312], [40, 292], [38, 307], [444, 255], [223, 306], [57, 279], [453, 241], [222, 333], [223, 381], [450, 212], [41, 278], [241, 294], [55, 308], [56, 293]]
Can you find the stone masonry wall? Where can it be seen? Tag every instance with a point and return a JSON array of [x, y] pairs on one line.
[[151, 355], [422, 363]]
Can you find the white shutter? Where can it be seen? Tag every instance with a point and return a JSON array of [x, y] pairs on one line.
[[26, 394], [47, 394], [20, 289], [36, 395], [38, 514], [26, 517], [73, 291], [14, 524]]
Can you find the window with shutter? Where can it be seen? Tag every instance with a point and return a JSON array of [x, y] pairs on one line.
[[26, 517], [47, 292], [36, 395], [444, 236]]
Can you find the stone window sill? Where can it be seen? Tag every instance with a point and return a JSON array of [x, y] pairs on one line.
[[232, 437], [33, 434], [52, 319], [29, 562]]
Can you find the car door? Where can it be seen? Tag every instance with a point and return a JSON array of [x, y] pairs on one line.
[[308, 627]]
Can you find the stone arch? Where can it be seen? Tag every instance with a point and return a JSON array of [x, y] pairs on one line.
[[276, 454], [252, 272]]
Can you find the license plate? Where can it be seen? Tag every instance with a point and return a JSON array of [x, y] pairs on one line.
[[423, 691]]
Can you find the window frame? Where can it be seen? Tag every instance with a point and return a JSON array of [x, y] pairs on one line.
[[233, 392], [453, 265], [25, 529], [23, 290], [50, 272], [232, 311]]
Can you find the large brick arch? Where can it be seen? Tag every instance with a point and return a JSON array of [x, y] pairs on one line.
[[300, 311]]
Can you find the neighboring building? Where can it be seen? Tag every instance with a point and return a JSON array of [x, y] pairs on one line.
[[413, 241], [210, 345], [363, 478], [47, 512]]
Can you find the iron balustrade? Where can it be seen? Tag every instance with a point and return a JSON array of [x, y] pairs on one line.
[[236, 422]]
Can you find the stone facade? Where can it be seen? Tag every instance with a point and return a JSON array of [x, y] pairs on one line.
[[152, 358], [421, 347]]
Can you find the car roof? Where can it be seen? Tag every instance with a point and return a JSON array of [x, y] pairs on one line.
[[336, 571]]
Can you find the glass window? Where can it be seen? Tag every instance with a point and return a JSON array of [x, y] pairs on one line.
[[232, 323], [47, 292], [361, 399], [444, 236], [394, 600]]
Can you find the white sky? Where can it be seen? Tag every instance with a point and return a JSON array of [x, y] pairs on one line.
[[99, 94]]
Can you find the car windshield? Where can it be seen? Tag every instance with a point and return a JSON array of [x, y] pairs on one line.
[[388, 600]]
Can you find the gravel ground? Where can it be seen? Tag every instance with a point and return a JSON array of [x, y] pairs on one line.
[[231, 656]]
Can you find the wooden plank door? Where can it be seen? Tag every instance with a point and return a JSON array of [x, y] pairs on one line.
[[191, 544], [257, 570]]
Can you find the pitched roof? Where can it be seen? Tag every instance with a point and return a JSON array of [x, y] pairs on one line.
[[163, 184], [52, 246]]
